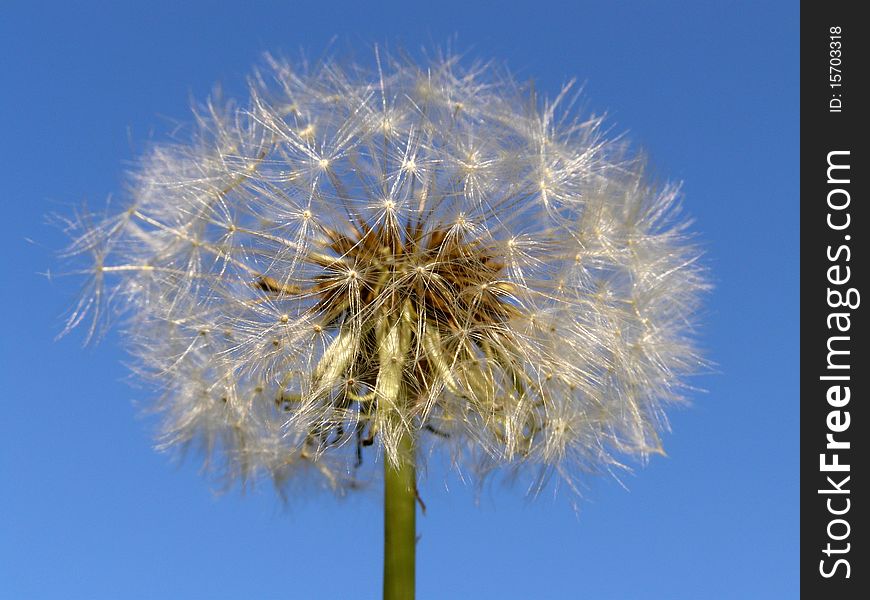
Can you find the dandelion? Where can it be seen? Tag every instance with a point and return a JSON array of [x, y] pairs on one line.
[[395, 260]]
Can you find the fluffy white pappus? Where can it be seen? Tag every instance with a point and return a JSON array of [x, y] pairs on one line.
[[352, 256]]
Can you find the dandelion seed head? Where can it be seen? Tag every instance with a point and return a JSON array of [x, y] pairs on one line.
[[354, 255]]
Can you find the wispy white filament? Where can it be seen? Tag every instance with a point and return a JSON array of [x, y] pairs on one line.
[[352, 255]]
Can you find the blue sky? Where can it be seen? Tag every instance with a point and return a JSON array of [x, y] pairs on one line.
[[89, 510]]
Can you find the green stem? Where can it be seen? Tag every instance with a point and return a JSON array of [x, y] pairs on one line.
[[400, 512]]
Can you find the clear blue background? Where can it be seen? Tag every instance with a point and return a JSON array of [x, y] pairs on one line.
[[89, 510]]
